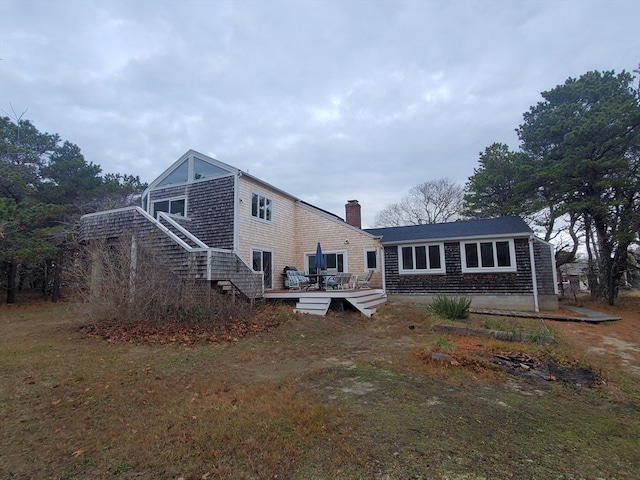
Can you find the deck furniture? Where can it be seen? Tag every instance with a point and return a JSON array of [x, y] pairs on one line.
[[298, 280], [339, 281], [362, 281]]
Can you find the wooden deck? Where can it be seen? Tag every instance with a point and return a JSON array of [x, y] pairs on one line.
[[317, 302]]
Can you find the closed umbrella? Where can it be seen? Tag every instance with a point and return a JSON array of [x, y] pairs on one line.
[[319, 264]]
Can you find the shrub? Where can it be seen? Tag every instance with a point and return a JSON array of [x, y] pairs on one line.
[[115, 287], [452, 308]]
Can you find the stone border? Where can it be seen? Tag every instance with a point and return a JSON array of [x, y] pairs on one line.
[[593, 317], [497, 334]]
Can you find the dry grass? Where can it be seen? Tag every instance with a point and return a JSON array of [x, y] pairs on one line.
[[337, 397]]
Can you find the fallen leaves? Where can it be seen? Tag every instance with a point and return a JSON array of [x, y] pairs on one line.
[[170, 333]]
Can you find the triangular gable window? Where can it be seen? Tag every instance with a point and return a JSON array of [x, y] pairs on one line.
[[202, 169], [179, 175]]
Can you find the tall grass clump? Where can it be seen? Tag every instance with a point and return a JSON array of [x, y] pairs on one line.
[[116, 282], [451, 308]]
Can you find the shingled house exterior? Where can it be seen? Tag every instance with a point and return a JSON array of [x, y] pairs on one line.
[[497, 262], [217, 225]]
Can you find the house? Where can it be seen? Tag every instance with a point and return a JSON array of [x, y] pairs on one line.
[[573, 276], [221, 227], [497, 262], [216, 226]]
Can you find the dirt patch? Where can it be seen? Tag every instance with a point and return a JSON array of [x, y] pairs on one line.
[[614, 344], [526, 366]]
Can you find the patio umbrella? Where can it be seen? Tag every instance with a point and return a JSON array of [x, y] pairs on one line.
[[319, 264]]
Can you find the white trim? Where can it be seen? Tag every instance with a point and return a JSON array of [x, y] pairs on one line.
[[423, 271], [236, 213], [189, 157], [480, 269], [182, 230], [164, 229], [252, 250], [469, 239], [383, 269], [366, 267], [114, 210], [270, 209], [170, 199], [345, 258], [556, 289]]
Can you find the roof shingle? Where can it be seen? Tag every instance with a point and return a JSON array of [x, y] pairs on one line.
[[453, 230]]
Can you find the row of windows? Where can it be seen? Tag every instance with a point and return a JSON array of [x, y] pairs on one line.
[[414, 259], [488, 256], [261, 207]]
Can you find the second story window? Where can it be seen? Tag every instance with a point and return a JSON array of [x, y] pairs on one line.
[[261, 207], [173, 206]]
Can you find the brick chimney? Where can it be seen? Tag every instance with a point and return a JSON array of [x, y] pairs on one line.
[[354, 217]]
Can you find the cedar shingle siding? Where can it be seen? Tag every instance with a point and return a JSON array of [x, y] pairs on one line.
[[209, 209], [454, 282], [544, 256], [209, 217], [110, 226]]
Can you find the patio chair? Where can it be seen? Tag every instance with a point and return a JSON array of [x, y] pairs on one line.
[[297, 280], [339, 281], [362, 281], [343, 281]]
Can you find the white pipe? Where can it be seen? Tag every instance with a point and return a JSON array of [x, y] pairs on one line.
[[534, 279], [383, 270]]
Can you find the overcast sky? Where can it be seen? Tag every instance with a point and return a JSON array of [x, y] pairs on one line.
[[329, 101]]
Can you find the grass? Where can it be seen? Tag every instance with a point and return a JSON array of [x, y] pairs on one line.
[[450, 308], [444, 343], [339, 397]]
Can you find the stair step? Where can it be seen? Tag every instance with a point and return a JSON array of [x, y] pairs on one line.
[[313, 305], [366, 301]]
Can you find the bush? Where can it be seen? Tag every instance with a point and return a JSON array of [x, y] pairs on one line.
[[115, 287], [451, 308]]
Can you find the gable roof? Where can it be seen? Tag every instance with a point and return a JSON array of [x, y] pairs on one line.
[[487, 228], [158, 183], [222, 169]]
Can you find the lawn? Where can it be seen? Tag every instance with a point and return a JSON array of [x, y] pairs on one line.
[[335, 397]]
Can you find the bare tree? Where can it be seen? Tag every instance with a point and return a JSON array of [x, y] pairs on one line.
[[433, 201]]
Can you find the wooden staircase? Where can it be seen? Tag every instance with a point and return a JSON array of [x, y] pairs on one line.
[[316, 305], [365, 300]]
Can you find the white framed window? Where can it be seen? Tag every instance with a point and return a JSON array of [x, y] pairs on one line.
[[420, 259], [262, 261], [261, 207], [371, 259], [334, 262], [488, 256], [173, 206]]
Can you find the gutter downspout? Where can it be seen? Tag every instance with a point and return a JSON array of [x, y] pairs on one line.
[[534, 276], [556, 290], [383, 270]]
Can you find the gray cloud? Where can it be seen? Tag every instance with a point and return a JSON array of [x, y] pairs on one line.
[[376, 96]]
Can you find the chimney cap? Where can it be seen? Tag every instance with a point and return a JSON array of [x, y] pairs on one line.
[[352, 201]]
